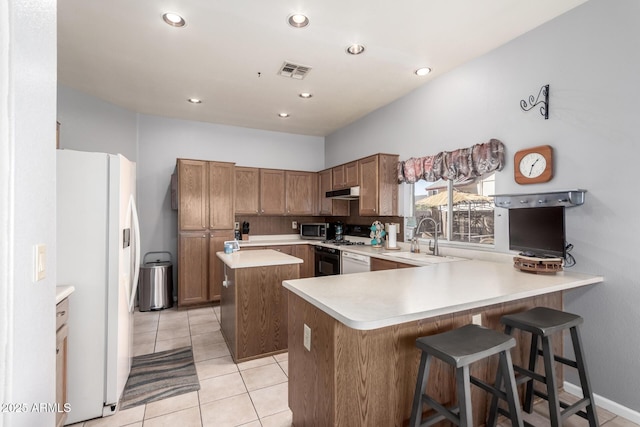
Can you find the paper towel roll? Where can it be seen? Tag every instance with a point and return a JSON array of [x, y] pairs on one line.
[[392, 236]]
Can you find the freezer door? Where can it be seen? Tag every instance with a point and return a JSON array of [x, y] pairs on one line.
[[123, 269]]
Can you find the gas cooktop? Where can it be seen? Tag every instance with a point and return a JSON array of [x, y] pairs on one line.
[[343, 242]]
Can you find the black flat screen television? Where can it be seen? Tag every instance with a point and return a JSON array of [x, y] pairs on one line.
[[537, 232]]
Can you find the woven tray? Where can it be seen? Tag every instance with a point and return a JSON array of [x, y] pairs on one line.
[[538, 265]]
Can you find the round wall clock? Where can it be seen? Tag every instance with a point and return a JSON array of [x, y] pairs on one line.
[[533, 165]]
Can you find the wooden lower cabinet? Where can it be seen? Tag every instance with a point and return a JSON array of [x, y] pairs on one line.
[[306, 254], [378, 264], [62, 332], [199, 270], [253, 310]]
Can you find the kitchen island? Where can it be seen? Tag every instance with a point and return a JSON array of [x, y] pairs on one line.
[[362, 362], [253, 304]]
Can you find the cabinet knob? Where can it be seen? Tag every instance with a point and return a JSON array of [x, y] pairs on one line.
[[57, 350]]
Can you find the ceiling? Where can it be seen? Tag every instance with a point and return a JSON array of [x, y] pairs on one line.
[[230, 51]]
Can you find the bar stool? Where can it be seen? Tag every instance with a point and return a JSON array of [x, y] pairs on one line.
[[542, 323], [460, 348]]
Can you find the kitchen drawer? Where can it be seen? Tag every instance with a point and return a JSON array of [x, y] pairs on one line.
[[62, 313]]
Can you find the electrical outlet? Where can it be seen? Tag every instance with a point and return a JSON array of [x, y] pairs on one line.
[[307, 337], [236, 225], [476, 319], [294, 225]]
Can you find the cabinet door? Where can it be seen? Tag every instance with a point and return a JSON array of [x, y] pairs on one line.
[[378, 264], [300, 192], [306, 254], [388, 184], [221, 177], [216, 268], [339, 177], [61, 373], [351, 174], [193, 266], [192, 195], [369, 186], [325, 183], [328, 206], [272, 198], [247, 194]]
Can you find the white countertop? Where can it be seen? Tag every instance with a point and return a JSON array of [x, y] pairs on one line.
[[257, 258], [63, 292], [373, 300], [400, 255]]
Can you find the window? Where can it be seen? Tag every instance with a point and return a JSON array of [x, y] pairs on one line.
[[462, 210]]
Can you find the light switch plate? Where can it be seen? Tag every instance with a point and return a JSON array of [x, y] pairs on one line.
[[40, 262]]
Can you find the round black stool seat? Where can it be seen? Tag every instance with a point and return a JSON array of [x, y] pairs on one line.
[[460, 348], [542, 323]]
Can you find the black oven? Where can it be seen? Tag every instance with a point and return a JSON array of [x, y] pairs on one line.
[[327, 261]]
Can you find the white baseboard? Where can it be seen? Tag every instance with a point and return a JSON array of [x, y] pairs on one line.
[[604, 403]]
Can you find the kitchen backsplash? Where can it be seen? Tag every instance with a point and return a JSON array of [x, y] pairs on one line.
[[272, 225]]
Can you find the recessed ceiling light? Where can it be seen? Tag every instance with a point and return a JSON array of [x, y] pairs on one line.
[[174, 19], [423, 71], [195, 100], [283, 115], [298, 20], [355, 49], [305, 95]]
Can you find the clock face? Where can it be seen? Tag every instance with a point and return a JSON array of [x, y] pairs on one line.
[[532, 165]]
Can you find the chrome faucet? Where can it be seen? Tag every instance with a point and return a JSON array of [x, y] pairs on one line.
[[434, 249]]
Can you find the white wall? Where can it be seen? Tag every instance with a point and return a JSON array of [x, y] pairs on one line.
[[91, 124], [590, 58], [162, 141], [27, 209]]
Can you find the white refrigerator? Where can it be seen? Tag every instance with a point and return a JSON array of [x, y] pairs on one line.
[[98, 252]]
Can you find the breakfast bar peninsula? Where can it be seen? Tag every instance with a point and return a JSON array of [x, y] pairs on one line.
[[352, 354]]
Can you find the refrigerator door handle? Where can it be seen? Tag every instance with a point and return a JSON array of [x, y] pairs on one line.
[[135, 224]]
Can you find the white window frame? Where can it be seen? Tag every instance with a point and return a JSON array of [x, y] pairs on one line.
[[446, 242]]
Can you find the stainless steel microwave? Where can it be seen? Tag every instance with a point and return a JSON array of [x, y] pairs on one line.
[[314, 231]]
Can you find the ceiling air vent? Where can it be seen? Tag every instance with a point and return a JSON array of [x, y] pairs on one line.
[[294, 71]]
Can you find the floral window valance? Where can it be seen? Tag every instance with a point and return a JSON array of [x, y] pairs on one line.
[[463, 163]]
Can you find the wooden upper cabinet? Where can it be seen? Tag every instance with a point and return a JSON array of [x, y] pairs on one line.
[[192, 193], [325, 183], [346, 175], [300, 192], [351, 174], [247, 198], [328, 206], [339, 180], [378, 185], [272, 197], [221, 188], [205, 195]]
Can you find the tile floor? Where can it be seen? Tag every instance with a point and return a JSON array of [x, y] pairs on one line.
[[249, 394]]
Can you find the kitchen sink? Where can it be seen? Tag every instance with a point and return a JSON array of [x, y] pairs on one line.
[[426, 258]]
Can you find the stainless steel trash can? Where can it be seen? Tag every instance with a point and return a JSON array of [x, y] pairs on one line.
[[155, 286]]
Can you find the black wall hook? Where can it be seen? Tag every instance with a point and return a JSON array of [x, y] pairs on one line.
[[544, 108]]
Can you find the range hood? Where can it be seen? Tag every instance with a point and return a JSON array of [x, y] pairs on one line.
[[352, 193]]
